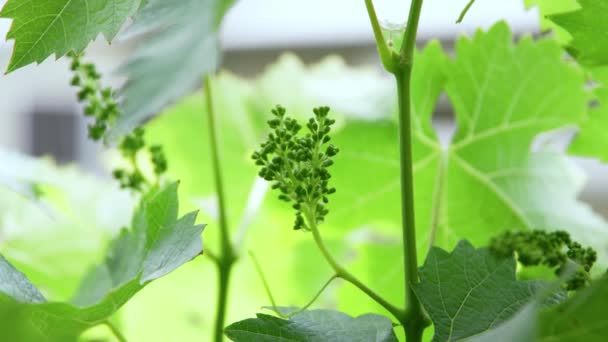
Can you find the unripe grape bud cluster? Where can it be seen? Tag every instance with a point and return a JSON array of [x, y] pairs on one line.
[[100, 104], [552, 249], [298, 164]]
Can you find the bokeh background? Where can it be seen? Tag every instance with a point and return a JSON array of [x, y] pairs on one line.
[[39, 117]]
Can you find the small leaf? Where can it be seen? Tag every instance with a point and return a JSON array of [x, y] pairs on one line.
[[158, 243], [44, 27], [589, 29], [470, 291], [313, 325]]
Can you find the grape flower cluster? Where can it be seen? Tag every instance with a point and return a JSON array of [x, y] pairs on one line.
[[100, 104], [298, 164], [555, 250]]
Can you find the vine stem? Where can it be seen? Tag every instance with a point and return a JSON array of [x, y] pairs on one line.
[[226, 259], [119, 336], [341, 272], [414, 321]]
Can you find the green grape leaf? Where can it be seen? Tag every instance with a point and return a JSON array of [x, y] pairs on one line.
[[490, 178], [313, 325], [157, 244], [551, 7], [490, 170], [578, 318], [469, 291], [590, 140], [16, 285], [41, 28], [182, 45], [520, 327], [57, 235], [589, 29]]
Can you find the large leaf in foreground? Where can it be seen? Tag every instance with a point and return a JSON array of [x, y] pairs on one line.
[[180, 47], [589, 29], [44, 27], [158, 243], [313, 325], [504, 96], [580, 318], [469, 291]]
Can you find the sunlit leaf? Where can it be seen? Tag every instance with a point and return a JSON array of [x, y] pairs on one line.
[[42, 28], [158, 243]]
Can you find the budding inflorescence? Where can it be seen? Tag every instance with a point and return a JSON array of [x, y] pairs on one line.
[[100, 104], [99, 101], [298, 164], [552, 249]]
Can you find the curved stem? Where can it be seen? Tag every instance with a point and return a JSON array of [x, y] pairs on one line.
[[258, 269], [464, 11], [314, 299], [227, 257], [119, 336], [341, 272], [275, 308]]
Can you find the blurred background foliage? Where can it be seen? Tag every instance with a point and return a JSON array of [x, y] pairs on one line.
[[57, 223]]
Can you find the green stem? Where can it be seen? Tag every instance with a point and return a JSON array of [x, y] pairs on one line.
[[227, 257], [341, 272], [260, 272], [258, 268], [415, 321], [386, 54], [119, 336], [464, 11]]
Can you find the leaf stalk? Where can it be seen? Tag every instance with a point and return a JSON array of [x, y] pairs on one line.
[[341, 272]]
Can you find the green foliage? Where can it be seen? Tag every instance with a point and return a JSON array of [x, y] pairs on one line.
[[589, 142], [469, 291], [158, 243], [313, 325], [588, 27], [579, 318], [547, 8], [534, 248], [489, 179], [576, 319], [179, 45], [55, 236], [298, 165], [42, 28]]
